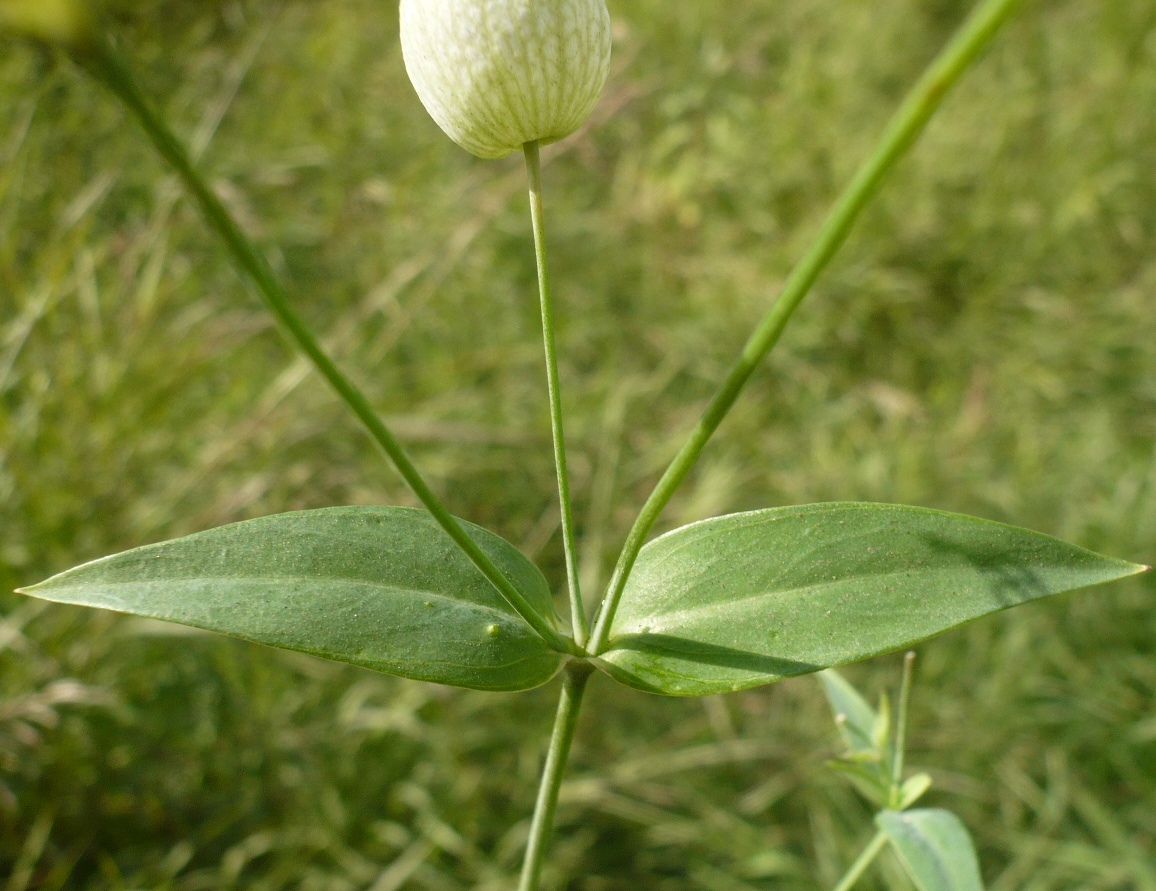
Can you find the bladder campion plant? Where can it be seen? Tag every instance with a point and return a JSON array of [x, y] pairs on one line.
[[721, 605]]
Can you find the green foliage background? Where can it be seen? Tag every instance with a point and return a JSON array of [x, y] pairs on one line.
[[985, 344]]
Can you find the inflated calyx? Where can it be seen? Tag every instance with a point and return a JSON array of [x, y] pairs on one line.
[[496, 74]]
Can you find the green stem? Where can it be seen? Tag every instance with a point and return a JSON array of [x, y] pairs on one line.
[[901, 729], [865, 859], [904, 128], [565, 721], [577, 610], [106, 66]]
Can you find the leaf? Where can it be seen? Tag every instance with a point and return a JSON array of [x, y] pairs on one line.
[[913, 790], [867, 778], [380, 587], [748, 599], [853, 716], [934, 847]]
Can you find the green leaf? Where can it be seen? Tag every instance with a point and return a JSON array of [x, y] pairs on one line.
[[867, 777], [913, 790], [380, 587], [853, 716], [934, 847], [748, 599]]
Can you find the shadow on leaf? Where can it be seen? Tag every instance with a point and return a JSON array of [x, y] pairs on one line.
[[666, 646]]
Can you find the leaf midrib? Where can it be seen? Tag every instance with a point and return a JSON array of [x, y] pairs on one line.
[[329, 653], [417, 593], [797, 590]]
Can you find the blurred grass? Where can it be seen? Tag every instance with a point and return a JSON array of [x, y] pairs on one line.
[[985, 343]]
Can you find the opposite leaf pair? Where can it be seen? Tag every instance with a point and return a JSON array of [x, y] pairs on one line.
[[716, 606]]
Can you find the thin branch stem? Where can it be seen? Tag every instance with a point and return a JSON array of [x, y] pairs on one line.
[[565, 721], [904, 128], [107, 67], [901, 728], [865, 859], [577, 610]]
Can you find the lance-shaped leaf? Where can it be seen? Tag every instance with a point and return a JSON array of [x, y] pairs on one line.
[[748, 599], [380, 587], [934, 847]]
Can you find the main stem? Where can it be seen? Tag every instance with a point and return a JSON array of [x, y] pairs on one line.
[[565, 721], [865, 859], [100, 60], [904, 128], [577, 610]]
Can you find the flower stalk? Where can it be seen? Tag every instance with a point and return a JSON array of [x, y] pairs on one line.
[[577, 609]]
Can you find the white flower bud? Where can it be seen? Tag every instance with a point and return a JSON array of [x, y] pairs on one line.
[[66, 22], [496, 74]]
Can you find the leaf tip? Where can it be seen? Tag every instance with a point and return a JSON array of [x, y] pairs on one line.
[[37, 589], [1127, 569]]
